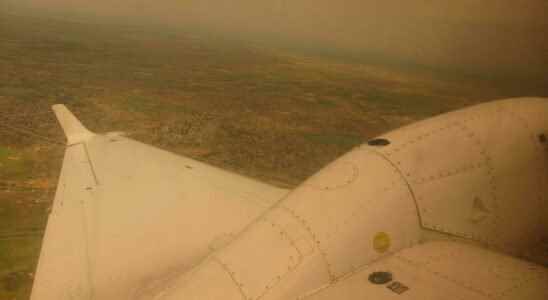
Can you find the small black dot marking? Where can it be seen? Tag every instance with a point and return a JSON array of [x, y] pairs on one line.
[[542, 138], [378, 142], [380, 277], [188, 167]]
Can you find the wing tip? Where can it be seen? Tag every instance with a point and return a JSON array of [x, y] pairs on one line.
[[74, 131]]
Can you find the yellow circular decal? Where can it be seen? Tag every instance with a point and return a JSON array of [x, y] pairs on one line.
[[381, 242]]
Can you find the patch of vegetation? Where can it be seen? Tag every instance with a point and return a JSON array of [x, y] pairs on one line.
[[20, 93], [17, 265], [21, 228], [402, 103], [140, 103], [13, 165], [19, 214], [326, 102]]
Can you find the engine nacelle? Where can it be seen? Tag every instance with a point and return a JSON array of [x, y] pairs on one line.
[[479, 174]]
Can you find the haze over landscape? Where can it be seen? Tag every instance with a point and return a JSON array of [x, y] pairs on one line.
[[273, 90], [490, 38]]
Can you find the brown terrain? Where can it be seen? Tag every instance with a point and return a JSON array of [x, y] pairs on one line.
[[277, 115]]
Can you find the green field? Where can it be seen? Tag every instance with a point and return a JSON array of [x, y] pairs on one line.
[[277, 115]]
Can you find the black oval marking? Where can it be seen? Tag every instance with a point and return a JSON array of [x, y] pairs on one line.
[[380, 277], [542, 138], [378, 142]]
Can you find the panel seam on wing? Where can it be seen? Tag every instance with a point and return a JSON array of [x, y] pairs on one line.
[[404, 179], [317, 243], [232, 276]]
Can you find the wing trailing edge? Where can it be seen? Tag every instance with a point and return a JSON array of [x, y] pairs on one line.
[[75, 132]]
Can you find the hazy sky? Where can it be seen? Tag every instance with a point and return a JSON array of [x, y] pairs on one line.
[[489, 35]]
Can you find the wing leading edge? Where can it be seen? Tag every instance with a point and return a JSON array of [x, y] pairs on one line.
[[127, 216]]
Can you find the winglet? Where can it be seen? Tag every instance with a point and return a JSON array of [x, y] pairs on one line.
[[74, 130]]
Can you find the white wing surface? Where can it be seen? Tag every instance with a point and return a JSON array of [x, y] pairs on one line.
[[127, 215], [442, 270]]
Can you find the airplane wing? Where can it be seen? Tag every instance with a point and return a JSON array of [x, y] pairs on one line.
[[126, 213], [442, 270]]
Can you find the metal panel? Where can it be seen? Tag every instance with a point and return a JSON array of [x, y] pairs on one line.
[[443, 270], [479, 173], [322, 231], [147, 214]]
